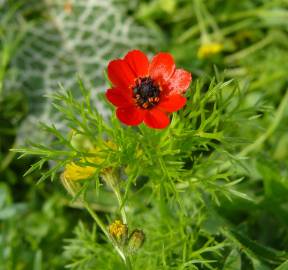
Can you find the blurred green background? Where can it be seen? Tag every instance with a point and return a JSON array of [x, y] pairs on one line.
[[46, 43]]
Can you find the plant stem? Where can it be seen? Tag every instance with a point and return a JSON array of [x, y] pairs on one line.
[[104, 230], [7, 160], [202, 25], [124, 219], [128, 263], [113, 182], [96, 218], [111, 179], [120, 202]]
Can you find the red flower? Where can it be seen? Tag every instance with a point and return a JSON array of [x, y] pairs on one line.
[[146, 92]]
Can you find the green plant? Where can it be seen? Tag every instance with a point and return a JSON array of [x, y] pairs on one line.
[[171, 184], [209, 192]]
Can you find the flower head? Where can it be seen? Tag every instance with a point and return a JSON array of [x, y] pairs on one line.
[[118, 231], [209, 49], [146, 91], [75, 172]]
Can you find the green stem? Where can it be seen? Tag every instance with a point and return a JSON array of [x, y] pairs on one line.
[[96, 218], [117, 193], [104, 230], [120, 202], [113, 182], [201, 22], [210, 20], [128, 263], [7, 160]]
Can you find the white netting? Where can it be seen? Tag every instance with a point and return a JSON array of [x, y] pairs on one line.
[[79, 36]]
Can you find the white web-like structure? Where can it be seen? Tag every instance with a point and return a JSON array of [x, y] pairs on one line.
[[78, 37]]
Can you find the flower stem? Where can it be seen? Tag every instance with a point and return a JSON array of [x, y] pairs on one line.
[[202, 25], [124, 219], [128, 263], [7, 160], [111, 179], [118, 195], [120, 202], [104, 230], [113, 182]]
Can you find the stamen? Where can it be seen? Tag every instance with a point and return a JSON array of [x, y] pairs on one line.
[[146, 93]]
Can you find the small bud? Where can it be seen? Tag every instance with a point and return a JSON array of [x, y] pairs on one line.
[[136, 240], [119, 232]]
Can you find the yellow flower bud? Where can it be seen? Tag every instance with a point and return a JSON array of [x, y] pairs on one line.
[[119, 231]]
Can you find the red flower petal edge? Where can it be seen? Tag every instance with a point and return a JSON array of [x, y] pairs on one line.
[[144, 91]]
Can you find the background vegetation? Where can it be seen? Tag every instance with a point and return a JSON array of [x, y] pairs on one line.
[[213, 195]]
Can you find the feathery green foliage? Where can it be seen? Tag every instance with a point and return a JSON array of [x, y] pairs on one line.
[[173, 182], [209, 192]]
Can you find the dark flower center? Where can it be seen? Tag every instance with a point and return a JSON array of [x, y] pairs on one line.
[[146, 93]]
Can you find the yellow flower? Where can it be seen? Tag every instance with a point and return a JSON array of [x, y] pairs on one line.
[[118, 230], [76, 172], [208, 49]]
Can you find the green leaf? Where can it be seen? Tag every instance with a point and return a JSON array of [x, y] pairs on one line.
[[275, 185], [254, 249], [233, 261], [258, 265], [283, 266]]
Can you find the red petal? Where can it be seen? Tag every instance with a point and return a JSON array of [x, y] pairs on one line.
[[172, 103], [118, 97], [162, 67], [179, 82], [156, 119], [130, 116], [120, 74], [138, 62]]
